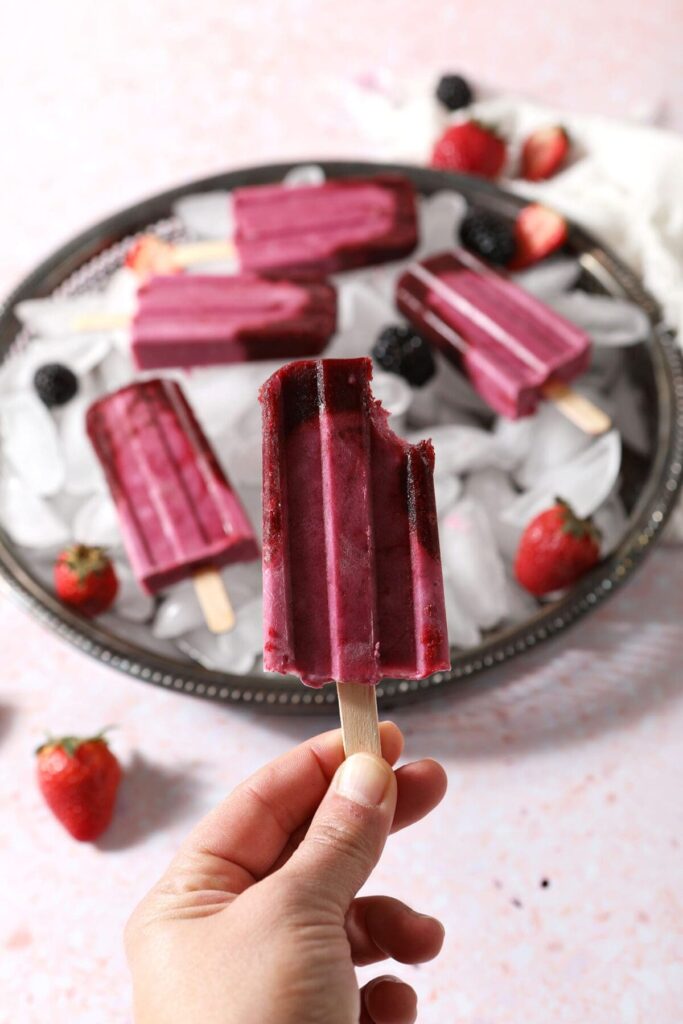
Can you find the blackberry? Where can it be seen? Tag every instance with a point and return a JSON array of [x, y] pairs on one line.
[[55, 384], [489, 236], [453, 92], [400, 350]]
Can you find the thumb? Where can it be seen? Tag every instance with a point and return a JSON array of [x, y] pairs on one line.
[[348, 833]]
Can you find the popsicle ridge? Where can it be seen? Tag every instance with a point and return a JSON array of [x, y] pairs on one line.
[[353, 589]]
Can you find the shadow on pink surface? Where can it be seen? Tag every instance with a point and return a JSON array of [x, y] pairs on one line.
[[150, 799]]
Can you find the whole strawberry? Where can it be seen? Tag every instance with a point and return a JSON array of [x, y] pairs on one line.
[[556, 549], [85, 580], [471, 148], [79, 779]]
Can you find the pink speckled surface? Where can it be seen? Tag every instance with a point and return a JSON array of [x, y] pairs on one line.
[[566, 767]]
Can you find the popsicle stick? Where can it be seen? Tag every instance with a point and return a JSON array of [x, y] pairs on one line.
[[214, 601], [188, 253], [577, 408], [359, 721], [100, 322]]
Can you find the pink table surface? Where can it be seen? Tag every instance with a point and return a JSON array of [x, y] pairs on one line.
[[565, 766]]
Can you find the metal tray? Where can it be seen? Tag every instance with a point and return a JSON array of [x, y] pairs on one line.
[[648, 489]]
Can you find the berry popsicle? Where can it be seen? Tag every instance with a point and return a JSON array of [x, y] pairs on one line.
[[353, 587], [188, 320], [179, 516], [514, 349], [338, 225]]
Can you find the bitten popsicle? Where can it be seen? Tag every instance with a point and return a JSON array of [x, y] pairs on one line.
[[514, 349], [353, 587], [210, 319], [179, 516], [338, 225]]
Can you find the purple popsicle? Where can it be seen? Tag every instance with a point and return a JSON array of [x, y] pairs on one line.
[[200, 320], [510, 345], [353, 588], [178, 513]]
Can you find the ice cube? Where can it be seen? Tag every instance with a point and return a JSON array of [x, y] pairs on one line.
[[364, 313], [235, 651], [239, 448], [83, 473], [517, 436], [131, 603], [96, 522], [462, 629], [395, 394], [28, 518], [30, 443], [585, 482], [461, 449], [455, 391], [440, 218], [554, 442], [447, 490], [611, 520], [306, 174], [116, 370], [179, 612], [472, 563], [549, 279], [222, 396], [608, 320], [493, 492], [206, 214]]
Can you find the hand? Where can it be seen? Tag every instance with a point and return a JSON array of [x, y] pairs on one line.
[[256, 921]]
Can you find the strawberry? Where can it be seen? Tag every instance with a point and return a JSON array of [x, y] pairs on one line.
[[79, 779], [85, 579], [538, 232], [544, 152], [471, 148], [556, 549], [150, 255]]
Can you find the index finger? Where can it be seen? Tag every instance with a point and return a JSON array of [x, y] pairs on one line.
[[244, 836]]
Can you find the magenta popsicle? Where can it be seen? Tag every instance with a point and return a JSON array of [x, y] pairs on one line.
[[353, 588], [178, 513], [202, 320], [350, 222], [510, 345]]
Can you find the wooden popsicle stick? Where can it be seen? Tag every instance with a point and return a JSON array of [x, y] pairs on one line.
[[359, 721], [577, 408], [214, 601], [101, 322], [187, 253]]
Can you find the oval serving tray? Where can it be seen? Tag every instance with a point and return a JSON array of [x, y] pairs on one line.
[[648, 487]]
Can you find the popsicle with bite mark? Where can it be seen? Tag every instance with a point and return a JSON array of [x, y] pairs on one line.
[[353, 587]]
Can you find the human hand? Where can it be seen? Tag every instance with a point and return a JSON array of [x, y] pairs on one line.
[[257, 920]]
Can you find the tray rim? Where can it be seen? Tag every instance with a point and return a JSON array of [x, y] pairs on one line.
[[278, 694]]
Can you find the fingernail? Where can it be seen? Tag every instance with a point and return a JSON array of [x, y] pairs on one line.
[[364, 779]]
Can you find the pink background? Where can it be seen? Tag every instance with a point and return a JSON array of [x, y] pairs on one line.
[[566, 767]]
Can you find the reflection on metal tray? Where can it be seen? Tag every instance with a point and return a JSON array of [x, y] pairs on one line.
[[648, 484]]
